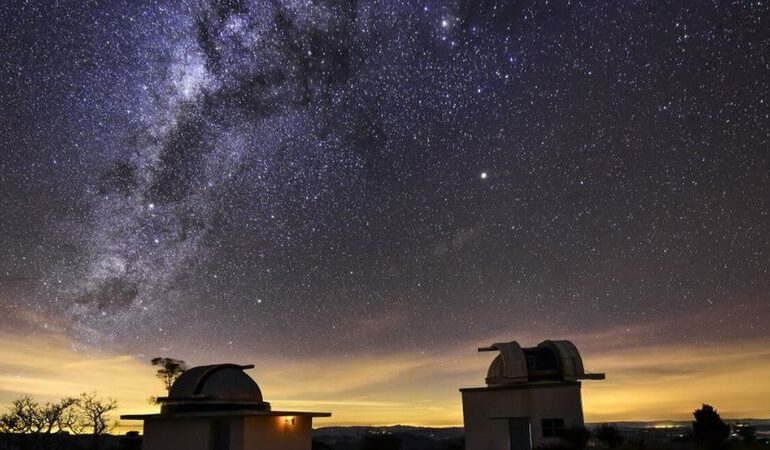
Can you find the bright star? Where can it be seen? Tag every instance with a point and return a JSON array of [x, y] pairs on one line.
[[484, 175]]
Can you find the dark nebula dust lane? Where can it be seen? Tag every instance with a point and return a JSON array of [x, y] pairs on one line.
[[383, 175]]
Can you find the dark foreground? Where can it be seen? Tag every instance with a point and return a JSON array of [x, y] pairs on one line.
[[636, 436]]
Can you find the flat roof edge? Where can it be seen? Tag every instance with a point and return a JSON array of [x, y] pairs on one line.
[[518, 386], [182, 415]]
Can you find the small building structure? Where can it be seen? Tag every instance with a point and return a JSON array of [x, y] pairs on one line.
[[532, 396], [220, 407]]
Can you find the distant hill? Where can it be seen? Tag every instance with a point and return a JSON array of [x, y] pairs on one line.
[[440, 433], [430, 432], [410, 438], [429, 438], [677, 423], [660, 433]]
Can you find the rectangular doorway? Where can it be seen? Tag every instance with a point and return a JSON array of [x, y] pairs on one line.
[[220, 435], [520, 433]]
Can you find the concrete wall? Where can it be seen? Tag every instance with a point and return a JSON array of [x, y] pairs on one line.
[[171, 434], [245, 433], [485, 412], [277, 433]]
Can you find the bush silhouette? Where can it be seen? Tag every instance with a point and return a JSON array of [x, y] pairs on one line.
[[376, 441], [576, 437], [318, 445], [609, 435], [748, 433], [708, 429]]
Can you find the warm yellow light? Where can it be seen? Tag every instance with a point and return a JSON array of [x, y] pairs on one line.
[[664, 382]]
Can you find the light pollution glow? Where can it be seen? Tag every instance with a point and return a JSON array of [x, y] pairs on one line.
[[420, 389]]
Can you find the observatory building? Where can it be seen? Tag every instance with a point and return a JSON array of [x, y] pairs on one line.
[[220, 407], [532, 396]]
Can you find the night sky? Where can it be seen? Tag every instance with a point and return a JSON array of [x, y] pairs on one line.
[[340, 180]]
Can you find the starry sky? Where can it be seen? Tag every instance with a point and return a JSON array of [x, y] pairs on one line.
[[366, 191]]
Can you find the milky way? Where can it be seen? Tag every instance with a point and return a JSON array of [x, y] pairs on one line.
[[335, 176]]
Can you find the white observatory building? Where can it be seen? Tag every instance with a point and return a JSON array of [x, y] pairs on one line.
[[532, 395], [221, 407]]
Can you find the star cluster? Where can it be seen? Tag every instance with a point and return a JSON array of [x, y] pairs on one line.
[[337, 176]]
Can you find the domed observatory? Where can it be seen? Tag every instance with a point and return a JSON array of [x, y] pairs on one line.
[[532, 396], [220, 407]]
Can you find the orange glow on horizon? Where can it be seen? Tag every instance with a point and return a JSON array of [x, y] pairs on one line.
[[661, 383]]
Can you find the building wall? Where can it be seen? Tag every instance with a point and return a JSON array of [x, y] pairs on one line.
[[174, 434], [486, 410], [277, 433], [242, 433]]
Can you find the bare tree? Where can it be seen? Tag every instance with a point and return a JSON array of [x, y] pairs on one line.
[[59, 416], [20, 421], [169, 370], [35, 426], [9, 423], [94, 415], [23, 417]]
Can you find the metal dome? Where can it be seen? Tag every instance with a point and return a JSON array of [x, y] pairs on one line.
[[217, 392], [214, 387], [509, 365], [549, 361]]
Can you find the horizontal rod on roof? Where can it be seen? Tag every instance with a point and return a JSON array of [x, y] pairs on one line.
[[593, 376]]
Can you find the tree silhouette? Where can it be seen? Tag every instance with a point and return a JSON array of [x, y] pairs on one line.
[[609, 435], [94, 416], [60, 416], [169, 370], [37, 426], [709, 431], [23, 417]]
